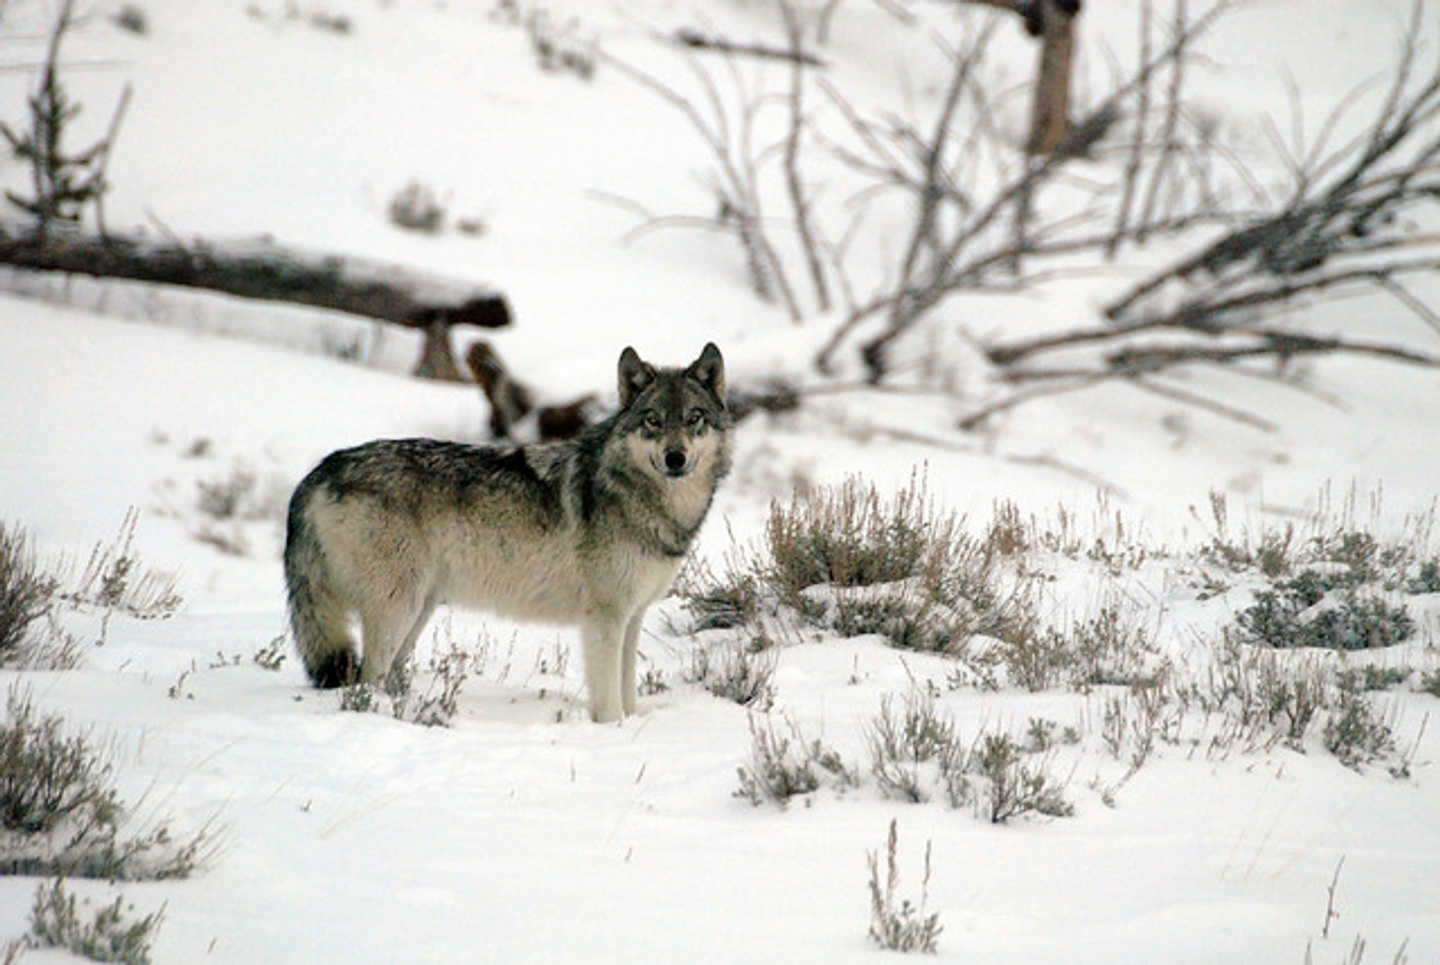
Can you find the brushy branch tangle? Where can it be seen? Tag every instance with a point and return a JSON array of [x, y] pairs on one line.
[[111, 934], [960, 238], [800, 201], [980, 250], [1342, 226], [740, 162]]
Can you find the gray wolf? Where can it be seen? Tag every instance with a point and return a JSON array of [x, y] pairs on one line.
[[589, 531]]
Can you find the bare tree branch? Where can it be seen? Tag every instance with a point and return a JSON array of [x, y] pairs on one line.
[[1170, 122], [1131, 175], [695, 39], [799, 198], [735, 178]]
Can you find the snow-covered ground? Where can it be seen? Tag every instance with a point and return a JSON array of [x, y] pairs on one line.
[[523, 832]]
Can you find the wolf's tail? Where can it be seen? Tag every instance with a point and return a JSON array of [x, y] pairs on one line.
[[317, 612]]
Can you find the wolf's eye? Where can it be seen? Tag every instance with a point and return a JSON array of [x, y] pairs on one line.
[[653, 421], [695, 417]]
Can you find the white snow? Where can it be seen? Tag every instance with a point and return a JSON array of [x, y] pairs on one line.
[[524, 832]]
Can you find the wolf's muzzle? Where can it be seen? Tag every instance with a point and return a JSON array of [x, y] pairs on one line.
[[676, 463]]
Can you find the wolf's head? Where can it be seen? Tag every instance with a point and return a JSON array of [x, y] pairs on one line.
[[675, 419]]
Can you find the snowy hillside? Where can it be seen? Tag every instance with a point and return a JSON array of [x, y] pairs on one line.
[[1199, 823]]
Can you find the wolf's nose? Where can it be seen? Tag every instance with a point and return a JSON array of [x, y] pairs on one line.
[[674, 461]]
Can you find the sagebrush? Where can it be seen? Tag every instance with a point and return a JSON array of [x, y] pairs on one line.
[[110, 934], [61, 815], [26, 594]]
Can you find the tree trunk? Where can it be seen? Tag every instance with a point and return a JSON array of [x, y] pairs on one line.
[[1050, 110]]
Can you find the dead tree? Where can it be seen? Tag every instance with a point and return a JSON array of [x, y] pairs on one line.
[[1052, 22], [511, 401], [734, 177], [1050, 116]]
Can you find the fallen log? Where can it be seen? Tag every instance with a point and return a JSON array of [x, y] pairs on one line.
[[263, 270]]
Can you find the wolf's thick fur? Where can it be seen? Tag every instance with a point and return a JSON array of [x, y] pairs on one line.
[[590, 531]]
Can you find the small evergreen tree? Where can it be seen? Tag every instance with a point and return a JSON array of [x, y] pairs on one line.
[[62, 184]]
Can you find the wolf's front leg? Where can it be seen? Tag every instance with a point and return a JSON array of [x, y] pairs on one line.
[[602, 639], [628, 682]]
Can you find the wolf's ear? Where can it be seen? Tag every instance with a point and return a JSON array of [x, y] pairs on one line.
[[635, 375], [709, 371]]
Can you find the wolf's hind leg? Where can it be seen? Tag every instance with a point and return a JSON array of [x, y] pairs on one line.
[[389, 635], [407, 644]]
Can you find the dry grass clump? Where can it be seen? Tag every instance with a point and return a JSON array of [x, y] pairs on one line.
[[849, 561]]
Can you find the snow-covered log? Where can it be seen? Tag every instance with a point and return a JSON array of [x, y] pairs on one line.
[[262, 269]]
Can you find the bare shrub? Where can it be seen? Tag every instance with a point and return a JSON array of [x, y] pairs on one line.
[[1354, 731], [46, 776], [110, 935], [848, 561], [1108, 648], [849, 536], [436, 705], [1332, 585], [914, 747], [33, 635], [114, 578], [60, 814], [1134, 722], [132, 18], [451, 665], [559, 45], [272, 655], [1271, 696], [417, 208], [360, 698], [897, 567], [1430, 682], [785, 765], [439, 703], [1016, 784], [741, 671], [229, 501], [26, 594], [901, 926], [1035, 661], [1267, 695], [729, 598]]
